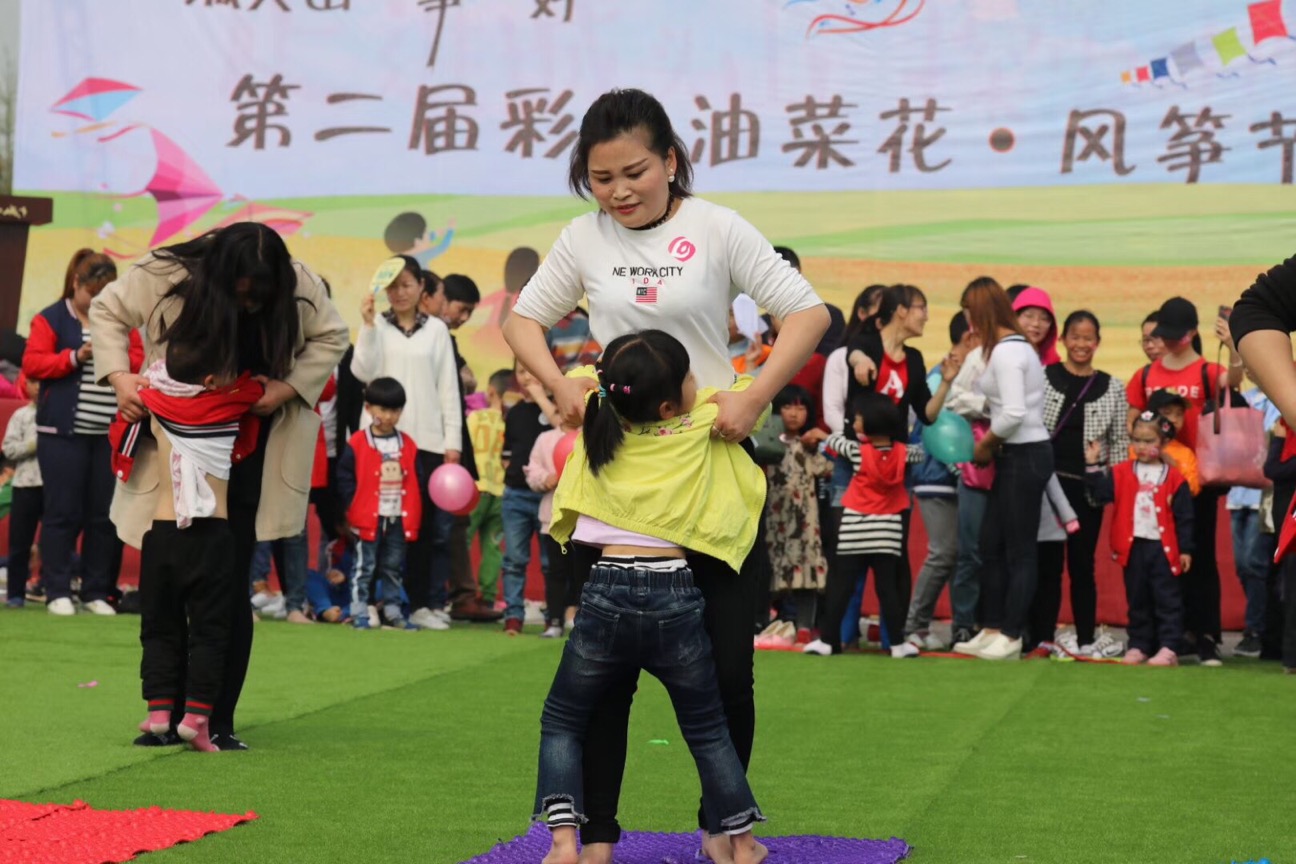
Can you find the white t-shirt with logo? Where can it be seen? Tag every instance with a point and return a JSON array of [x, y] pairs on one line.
[[391, 480], [679, 277], [1149, 478]]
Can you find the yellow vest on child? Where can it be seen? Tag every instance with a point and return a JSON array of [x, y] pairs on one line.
[[670, 480]]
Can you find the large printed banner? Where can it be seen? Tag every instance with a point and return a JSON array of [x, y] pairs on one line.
[[1113, 152], [290, 98]]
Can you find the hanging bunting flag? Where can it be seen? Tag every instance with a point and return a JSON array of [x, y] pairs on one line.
[[1267, 21], [1228, 45], [1143, 74], [1186, 59]]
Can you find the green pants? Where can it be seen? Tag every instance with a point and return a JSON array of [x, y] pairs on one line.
[[487, 522]]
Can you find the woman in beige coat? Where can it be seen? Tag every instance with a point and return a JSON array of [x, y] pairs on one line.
[[280, 325]]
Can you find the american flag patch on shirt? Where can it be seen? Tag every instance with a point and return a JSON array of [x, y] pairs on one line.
[[646, 294]]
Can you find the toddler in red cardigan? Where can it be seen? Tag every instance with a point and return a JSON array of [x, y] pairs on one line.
[[378, 483], [1151, 537]]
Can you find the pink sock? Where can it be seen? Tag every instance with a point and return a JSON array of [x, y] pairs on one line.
[[159, 717], [193, 728]]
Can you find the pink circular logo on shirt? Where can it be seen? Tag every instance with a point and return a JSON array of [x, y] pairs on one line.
[[682, 249]]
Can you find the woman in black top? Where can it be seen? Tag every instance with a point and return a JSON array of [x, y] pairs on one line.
[[1081, 404], [1261, 324]]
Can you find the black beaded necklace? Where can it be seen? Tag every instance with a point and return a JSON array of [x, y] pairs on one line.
[[670, 200]]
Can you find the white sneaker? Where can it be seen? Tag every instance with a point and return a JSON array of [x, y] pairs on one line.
[[973, 645], [1068, 643], [261, 599], [533, 613], [904, 649], [932, 642], [553, 631], [426, 619], [1000, 647], [274, 606], [101, 607], [62, 607], [1106, 647], [818, 646], [441, 615]]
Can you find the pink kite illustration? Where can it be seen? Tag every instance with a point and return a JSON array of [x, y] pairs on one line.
[[182, 189], [94, 99], [862, 16]]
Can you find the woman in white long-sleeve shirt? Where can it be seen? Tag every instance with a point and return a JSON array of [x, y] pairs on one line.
[[415, 349], [1018, 444]]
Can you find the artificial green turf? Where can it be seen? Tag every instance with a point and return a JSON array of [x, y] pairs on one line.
[[422, 747]]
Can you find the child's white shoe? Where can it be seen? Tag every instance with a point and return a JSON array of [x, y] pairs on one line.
[[818, 646], [1000, 647], [426, 619], [973, 645]]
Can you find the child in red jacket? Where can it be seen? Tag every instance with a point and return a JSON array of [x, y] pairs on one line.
[[1151, 537], [871, 535], [379, 484]]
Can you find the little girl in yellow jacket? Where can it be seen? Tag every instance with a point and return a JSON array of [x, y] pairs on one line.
[[646, 481]]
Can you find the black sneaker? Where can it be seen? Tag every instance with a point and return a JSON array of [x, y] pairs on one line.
[[1208, 652], [1249, 646], [166, 739], [225, 741]]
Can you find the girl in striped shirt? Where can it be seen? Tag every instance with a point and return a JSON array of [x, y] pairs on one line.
[[871, 535]]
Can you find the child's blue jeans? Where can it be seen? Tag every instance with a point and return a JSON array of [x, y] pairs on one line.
[[520, 512], [630, 620], [379, 561]]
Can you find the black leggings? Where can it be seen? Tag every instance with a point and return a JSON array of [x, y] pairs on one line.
[[1081, 547], [243, 498], [24, 520], [1201, 584], [1042, 625], [1009, 535], [561, 588]]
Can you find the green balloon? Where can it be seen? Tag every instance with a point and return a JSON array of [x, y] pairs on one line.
[[949, 439]]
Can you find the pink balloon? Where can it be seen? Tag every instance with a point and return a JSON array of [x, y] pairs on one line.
[[562, 450], [453, 489]]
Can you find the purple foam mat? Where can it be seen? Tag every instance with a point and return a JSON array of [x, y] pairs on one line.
[[646, 847]]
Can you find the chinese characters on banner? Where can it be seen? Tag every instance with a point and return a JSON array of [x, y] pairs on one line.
[[281, 5], [818, 135]]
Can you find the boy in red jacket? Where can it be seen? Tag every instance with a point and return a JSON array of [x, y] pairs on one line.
[[1151, 537], [378, 482], [871, 535]]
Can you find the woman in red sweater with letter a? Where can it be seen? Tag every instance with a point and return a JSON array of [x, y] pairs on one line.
[[871, 534]]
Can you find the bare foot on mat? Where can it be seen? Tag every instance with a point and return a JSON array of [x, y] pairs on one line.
[[563, 850], [596, 853]]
